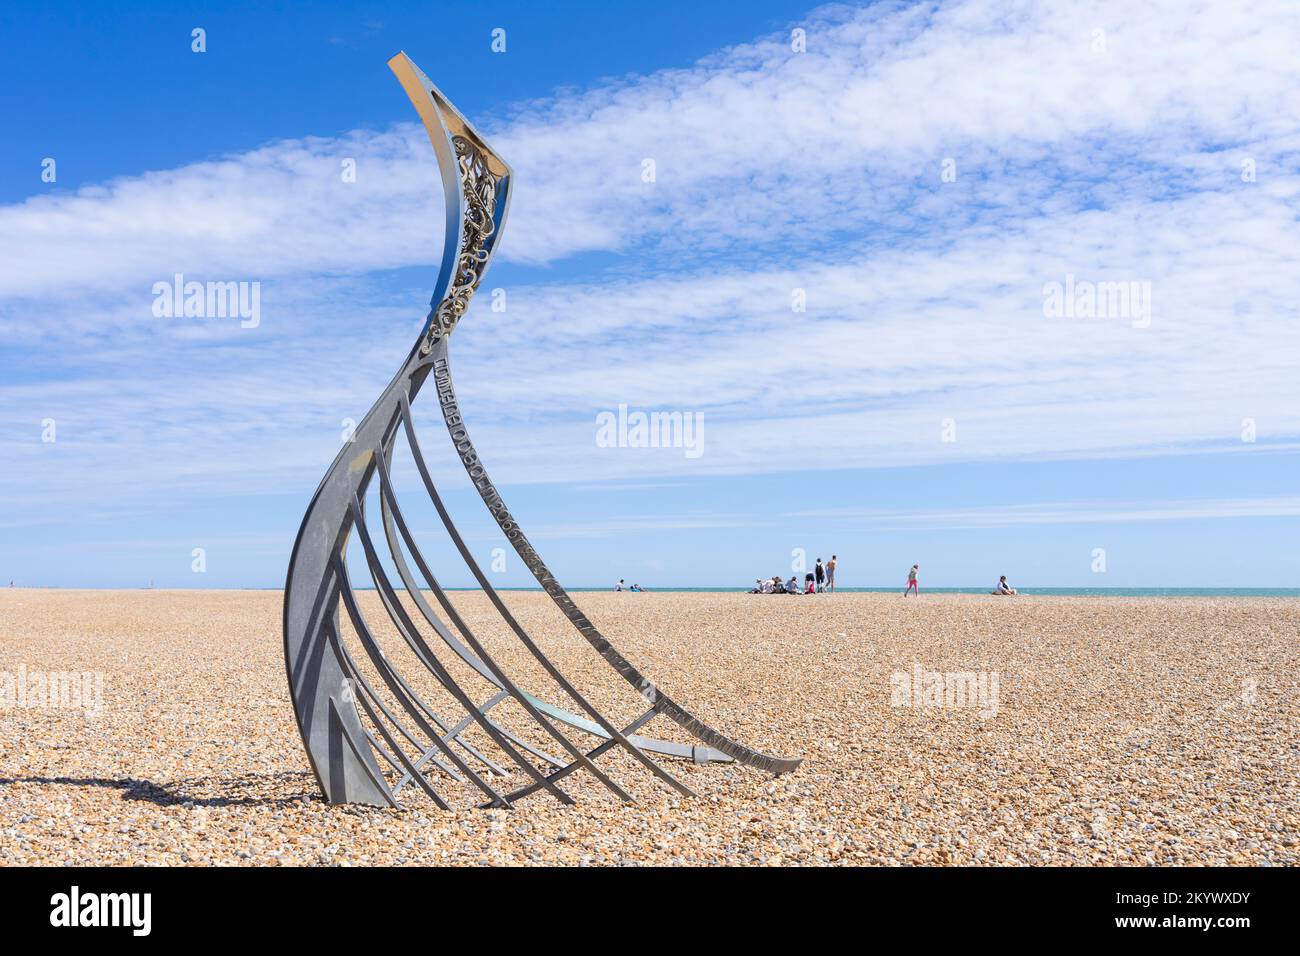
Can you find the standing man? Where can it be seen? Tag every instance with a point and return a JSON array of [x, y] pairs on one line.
[[821, 575], [830, 574], [912, 586]]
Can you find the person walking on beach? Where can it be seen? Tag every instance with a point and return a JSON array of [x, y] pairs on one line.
[[830, 574], [821, 575], [912, 585]]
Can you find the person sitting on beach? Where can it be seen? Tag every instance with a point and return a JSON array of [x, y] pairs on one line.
[[758, 586], [636, 587], [768, 587], [792, 586], [1003, 587], [619, 586]]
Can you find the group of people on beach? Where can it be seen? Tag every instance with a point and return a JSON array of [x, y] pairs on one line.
[[821, 579]]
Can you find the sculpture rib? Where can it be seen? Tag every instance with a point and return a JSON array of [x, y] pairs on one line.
[[329, 692]]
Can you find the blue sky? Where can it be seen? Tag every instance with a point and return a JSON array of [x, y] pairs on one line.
[[918, 176]]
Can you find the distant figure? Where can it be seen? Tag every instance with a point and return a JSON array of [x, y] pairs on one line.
[[912, 585], [821, 574], [619, 586], [769, 587], [636, 587], [808, 583], [1003, 587], [830, 574], [792, 586], [758, 586]]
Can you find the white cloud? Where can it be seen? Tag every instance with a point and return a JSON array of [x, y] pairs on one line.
[[753, 144]]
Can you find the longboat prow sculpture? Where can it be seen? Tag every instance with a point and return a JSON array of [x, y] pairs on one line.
[[330, 691]]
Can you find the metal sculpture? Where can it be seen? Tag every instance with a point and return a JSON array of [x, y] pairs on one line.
[[328, 684]]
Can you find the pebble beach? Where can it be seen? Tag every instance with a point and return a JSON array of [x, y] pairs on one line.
[[1092, 731]]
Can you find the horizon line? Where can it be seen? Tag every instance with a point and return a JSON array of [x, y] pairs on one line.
[[711, 589]]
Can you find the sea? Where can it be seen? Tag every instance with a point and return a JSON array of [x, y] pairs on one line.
[[1068, 592]]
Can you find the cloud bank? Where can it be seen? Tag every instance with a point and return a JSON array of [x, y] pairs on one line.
[[913, 180]]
